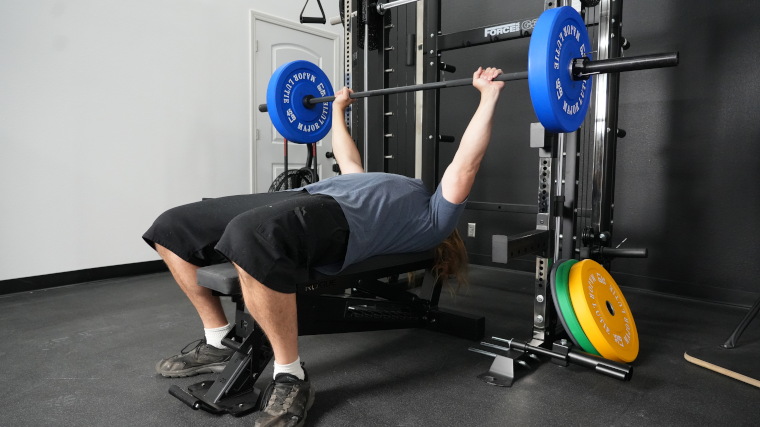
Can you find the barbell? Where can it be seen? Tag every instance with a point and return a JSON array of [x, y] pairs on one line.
[[560, 66]]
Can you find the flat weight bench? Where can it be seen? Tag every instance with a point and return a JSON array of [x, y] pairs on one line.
[[353, 301]]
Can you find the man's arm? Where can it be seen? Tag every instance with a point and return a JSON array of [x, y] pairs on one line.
[[343, 146], [459, 176]]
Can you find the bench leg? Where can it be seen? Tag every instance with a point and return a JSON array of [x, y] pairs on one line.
[[233, 390], [457, 323]]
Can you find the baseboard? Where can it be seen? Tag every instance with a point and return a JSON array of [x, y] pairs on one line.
[[712, 294], [527, 264], [26, 284], [646, 284]]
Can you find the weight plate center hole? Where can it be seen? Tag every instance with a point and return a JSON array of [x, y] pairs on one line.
[[610, 308]]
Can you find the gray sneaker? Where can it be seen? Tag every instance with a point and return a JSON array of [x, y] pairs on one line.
[[201, 358], [285, 402]]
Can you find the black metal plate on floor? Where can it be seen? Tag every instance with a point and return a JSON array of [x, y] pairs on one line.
[[504, 367], [740, 362], [238, 405]]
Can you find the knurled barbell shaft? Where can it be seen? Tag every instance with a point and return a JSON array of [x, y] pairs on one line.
[[411, 88], [424, 86], [581, 68]]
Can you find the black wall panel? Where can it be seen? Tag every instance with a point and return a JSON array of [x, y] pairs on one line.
[[688, 175], [688, 179]]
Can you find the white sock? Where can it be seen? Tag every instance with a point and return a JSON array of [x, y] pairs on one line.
[[294, 369], [214, 335]]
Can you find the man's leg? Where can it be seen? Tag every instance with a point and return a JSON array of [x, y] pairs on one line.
[[185, 237], [208, 355], [272, 249], [185, 274], [289, 396], [276, 313]]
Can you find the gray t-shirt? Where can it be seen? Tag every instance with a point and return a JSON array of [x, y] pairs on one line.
[[388, 214]]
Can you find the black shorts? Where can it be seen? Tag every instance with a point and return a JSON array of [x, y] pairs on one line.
[[277, 238]]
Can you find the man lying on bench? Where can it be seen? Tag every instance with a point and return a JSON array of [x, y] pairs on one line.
[[273, 239]]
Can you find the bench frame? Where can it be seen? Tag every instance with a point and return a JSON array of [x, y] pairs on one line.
[[366, 296]]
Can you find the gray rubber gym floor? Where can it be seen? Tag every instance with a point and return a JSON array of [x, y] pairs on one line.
[[84, 355]]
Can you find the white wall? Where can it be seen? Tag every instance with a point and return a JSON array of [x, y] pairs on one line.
[[112, 111]]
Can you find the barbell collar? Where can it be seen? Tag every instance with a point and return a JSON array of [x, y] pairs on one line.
[[582, 68]]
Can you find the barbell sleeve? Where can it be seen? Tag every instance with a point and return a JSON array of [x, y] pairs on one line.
[[582, 68], [382, 7]]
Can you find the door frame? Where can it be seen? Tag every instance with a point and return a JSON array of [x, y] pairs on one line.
[[256, 16]]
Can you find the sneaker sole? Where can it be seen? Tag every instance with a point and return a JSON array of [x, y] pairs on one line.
[[309, 403], [214, 368]]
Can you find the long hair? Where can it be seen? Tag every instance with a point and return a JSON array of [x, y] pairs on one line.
[[451, 260]]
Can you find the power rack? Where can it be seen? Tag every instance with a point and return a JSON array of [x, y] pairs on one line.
[[576, 171]]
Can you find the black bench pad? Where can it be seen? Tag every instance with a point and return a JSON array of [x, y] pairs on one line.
[[223, 278]]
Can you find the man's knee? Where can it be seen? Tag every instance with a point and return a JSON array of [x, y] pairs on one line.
[[262, 244], [184, 231], [260, 233], [174, 219], [164, 253]]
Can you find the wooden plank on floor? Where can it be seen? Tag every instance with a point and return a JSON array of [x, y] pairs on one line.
[[741, 362]]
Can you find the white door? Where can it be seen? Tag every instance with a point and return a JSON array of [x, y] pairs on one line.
[[276, 42]]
